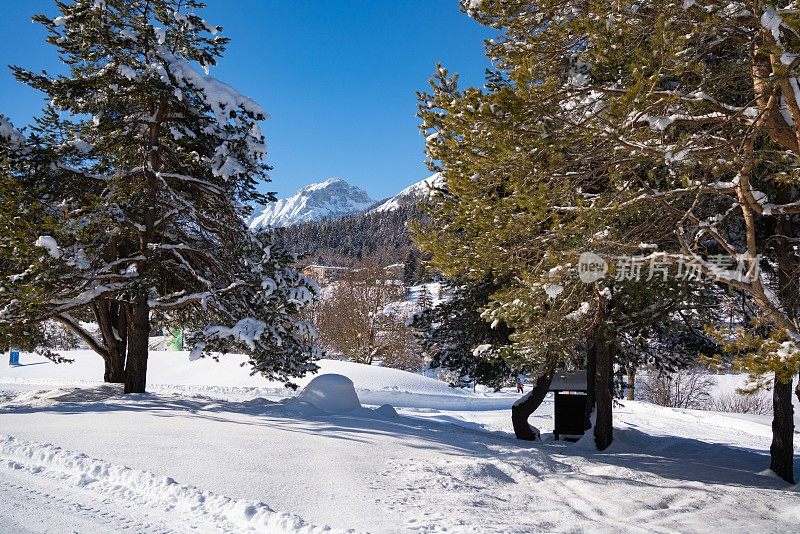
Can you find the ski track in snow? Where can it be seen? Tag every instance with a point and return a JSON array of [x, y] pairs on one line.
[[103, 497], [43, 500]]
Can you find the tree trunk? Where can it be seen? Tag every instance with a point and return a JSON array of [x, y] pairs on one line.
[[603, 428], [782, 449], [114, 372], [630, 393], [138, 339], [112, 320], [527, 404], [591, 370]]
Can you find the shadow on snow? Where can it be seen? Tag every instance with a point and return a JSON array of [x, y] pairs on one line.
[[675, 458]]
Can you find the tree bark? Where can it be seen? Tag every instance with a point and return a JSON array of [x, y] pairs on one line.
[[112, 320], [782, 449], [138, 339], [527, 404], [603, 428], [630, 393], [139, 310], [591, 371], [771, 120], [114, 372]]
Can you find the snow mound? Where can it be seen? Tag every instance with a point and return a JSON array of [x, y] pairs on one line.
[[382, 385], [331, 393], [387, 411]]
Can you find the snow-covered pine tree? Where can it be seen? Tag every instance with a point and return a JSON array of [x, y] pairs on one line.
[[165, 161], [517, 180], [695, 107], [21, 222], [36, 164]]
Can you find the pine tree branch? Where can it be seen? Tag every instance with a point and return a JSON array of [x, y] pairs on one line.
[[67, 320]]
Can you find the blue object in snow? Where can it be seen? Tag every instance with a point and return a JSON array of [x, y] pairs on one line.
[[14, 357]]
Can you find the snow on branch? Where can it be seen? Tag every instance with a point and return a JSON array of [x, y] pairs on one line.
[[229, 108], [661, 123], [181, 299], [185, 178], [49, 243], [88, 296], [83, 173], [220, 97], [247, 331], [744, 113]]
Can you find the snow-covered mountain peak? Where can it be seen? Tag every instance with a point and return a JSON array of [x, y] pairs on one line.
[[330, 199], [330, 182], [411, 194]]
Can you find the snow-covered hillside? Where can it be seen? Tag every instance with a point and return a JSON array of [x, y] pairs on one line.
[[171, 372], [330, 199], [406, 308], [411, 194]]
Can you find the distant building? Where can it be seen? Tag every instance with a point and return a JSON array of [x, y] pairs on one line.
[[324, 274], [395, 270]]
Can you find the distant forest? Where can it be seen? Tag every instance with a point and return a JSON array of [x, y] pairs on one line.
[[380, 237]]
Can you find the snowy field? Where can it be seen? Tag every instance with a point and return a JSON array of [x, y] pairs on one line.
[[212, 449]]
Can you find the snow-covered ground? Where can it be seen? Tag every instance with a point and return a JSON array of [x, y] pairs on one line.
[[212, 449]]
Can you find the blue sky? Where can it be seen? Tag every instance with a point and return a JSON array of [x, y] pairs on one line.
[[338, 78]]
